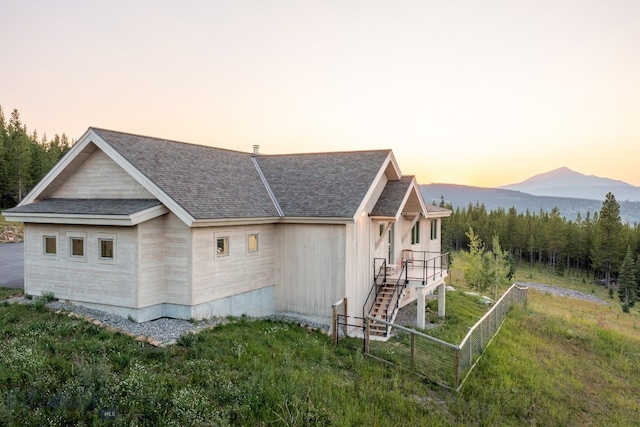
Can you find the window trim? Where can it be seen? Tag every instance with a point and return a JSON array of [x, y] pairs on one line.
[[434, 229], [225, 238], [83, 238], [104, 238], [249, 235], [415, 233], [51, 235]]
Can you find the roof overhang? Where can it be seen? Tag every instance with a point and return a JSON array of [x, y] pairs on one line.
[[120, 212], [223, 222], [123, 220], [439, 213]]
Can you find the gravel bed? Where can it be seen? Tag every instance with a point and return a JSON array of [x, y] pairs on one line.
[[408, 315], [159, 332], [556, 290]]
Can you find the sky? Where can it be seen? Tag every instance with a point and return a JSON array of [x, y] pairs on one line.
[[483, 93]]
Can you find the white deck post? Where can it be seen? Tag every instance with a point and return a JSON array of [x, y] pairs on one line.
[[422, 308], [442, 291]]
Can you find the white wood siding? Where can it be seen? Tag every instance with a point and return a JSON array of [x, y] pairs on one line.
[[151, 271], [239, 271], [177, 260], [100, 177], [311, 265], [89, 280], [359, 264]]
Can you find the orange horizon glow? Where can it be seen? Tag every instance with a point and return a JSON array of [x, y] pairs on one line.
[[480, 93]]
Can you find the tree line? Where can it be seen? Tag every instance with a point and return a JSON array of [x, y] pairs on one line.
[[25, 158], [594, 246]]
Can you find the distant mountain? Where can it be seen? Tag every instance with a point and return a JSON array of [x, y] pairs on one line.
[[494, 198], [564, 182]]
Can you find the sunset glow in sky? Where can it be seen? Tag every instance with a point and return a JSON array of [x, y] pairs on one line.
[[482, 93]]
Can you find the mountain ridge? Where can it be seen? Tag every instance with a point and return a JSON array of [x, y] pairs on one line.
[[565, 182], [460, 196]]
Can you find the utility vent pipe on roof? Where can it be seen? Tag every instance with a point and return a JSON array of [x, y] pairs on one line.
[[256, 149]]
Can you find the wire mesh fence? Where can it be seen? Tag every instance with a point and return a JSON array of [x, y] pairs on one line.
[[438, 361]]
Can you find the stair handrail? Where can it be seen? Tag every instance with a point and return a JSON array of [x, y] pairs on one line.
[[398, 288], [379, 279]]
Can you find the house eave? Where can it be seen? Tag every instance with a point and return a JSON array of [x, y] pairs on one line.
[[125, 220], [316, 220], [221, 222]]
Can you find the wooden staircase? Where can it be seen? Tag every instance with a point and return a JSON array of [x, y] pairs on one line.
[[385, 298]]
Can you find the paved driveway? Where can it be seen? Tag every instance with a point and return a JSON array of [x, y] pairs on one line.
[[12, 265]]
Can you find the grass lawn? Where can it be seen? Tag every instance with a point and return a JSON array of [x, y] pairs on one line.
[[557, 361]]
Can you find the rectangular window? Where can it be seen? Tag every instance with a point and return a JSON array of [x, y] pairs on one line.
[[50, 245], [434, 229], [252, 243], [415, 233], [77, 247], [106, 248], [222, 246], [381, 229]]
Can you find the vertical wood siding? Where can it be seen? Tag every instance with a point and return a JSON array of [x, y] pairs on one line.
[[151, 271], [101, 177], [311, 265], [177, 260]]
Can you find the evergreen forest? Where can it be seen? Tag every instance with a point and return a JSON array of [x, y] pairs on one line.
[[25, 157], [592, 248]]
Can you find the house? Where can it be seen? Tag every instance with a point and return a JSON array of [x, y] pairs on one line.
[[147, 228]]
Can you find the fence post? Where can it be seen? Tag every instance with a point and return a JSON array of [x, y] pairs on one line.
[[334, 325], [457, 368], [345, 316], [413, 352], [366, 335]]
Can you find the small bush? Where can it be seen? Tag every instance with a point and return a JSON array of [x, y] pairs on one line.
[[189, 340], [625, 308]]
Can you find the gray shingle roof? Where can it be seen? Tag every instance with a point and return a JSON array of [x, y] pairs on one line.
[[322, 184], [390, 200], [87, 206], [207, 182]]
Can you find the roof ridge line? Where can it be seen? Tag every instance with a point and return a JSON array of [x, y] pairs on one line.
[[267, 187], [174, 141]]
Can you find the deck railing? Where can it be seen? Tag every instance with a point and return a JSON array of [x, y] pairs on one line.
[[425, 267]]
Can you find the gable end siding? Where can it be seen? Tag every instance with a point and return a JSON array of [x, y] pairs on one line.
[[100, 177]]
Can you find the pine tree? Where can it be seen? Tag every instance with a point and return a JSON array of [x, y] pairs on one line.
[[3, 160], [19, 157], [606, 250], [477, 273], [502, 271], [627, 285]]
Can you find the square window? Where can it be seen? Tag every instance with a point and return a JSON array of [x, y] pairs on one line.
[[50, 245], [77, 247], [106, 248], [252, 243], [222, 246]]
